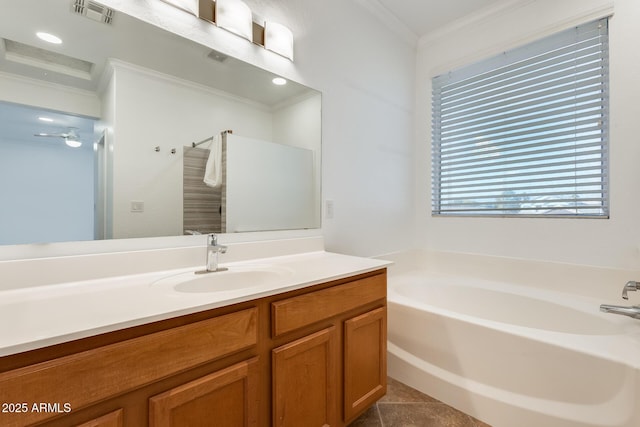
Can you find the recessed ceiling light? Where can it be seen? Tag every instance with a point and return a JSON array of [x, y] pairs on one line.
[[45, 119], [50, 38], [279, 81]]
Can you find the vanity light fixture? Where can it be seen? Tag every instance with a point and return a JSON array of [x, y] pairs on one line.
[[279, 81], [191, 6], [49, 38], [235, 16], [278, 39]]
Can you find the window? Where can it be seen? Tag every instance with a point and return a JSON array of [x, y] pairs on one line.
[[525, 133]]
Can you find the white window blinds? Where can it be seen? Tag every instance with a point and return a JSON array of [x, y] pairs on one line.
[[526, 132]]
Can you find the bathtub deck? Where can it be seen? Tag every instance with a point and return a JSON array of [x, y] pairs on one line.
[[405, 406]]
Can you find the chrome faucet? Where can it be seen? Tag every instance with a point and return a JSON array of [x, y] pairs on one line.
[[633, 311], [631, 285], [213, 249]]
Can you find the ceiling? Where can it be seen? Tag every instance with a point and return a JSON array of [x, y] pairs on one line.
[[422, 17]]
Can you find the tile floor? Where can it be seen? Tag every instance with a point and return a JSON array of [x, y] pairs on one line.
[[404, 406]]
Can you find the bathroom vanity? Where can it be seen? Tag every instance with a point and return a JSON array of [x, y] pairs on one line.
[[105, 335], [312, 353]]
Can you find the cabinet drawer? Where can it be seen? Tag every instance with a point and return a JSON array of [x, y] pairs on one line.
[[90, 376], [296, 312]]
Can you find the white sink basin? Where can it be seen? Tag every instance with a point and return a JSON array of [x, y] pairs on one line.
[[233, 279]]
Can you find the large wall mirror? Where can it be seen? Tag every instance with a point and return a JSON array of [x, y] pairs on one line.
[[96, 131]]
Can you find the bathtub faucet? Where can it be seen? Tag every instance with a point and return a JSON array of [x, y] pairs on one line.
[[633, 311], [631, 285]]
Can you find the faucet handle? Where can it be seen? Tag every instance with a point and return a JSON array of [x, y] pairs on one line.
[[213, 239], [631, 285]]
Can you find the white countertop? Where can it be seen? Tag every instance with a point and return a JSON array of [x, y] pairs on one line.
[[41, 316]]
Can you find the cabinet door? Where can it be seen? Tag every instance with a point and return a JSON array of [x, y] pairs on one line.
[[365, 361], [227, 398], [112, 419], [304, 381]]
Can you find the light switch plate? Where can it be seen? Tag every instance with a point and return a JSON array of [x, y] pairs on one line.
[[328, 209], [137, 206]]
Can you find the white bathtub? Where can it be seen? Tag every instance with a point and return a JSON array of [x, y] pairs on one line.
[[514, 356]]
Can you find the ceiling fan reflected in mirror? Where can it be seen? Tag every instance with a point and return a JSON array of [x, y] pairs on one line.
[[71, 137]]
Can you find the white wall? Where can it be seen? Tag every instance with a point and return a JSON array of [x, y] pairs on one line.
[[155, 110], [297, 124], [365, 72], [614, 242]]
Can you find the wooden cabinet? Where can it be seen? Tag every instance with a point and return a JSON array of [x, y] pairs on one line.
[[365, 361], [227, 398], [309, 357], [305, 377], [299, 311], [80, 379], [112, 419], [351, 350]]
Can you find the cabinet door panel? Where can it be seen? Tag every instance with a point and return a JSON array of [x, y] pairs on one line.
[[227, 398], [365, 361], [304, 381]]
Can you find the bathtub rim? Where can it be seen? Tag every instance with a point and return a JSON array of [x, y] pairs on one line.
[[621, 348], [596, 281]]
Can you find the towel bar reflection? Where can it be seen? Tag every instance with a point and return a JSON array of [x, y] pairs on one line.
[[195, 144]]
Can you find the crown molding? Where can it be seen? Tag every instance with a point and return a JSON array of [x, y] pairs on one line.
[[491, 11], [390, 20]]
